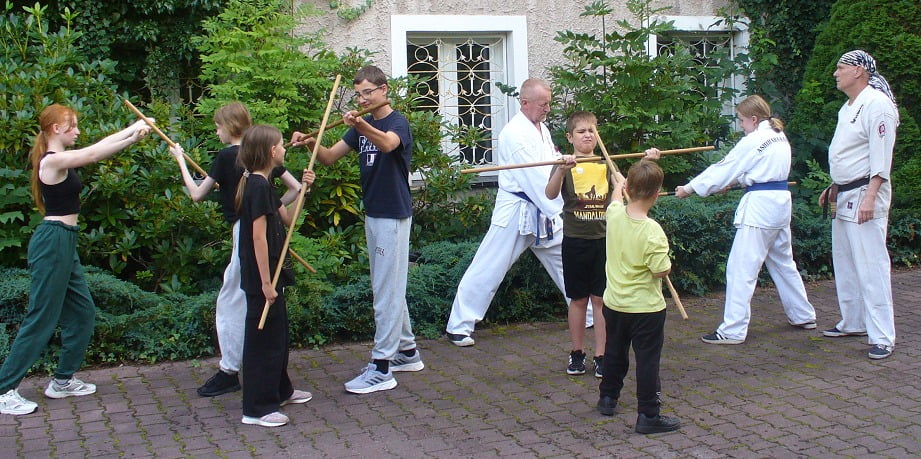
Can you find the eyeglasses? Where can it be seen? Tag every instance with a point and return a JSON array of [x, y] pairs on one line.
[[365, 93]]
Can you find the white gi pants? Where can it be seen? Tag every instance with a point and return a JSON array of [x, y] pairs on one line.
[[230, 312], [499, 250], [751, 248], [388, 253], [862, 270]]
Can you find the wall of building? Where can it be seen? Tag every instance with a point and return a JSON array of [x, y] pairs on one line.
[[371, 30]]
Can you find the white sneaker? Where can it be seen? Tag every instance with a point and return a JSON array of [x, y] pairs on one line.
[[73, 388], [270, 420], [13, 403], [371, 380], [298, 397], [401, 362]]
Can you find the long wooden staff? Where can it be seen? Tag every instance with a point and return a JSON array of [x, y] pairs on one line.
[[361, 112], [163, 136], [732, 188], [620, 177], [299, 204], [678, 151], [199, 169]]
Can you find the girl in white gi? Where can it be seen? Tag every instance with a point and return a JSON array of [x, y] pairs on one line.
[[761, 162]]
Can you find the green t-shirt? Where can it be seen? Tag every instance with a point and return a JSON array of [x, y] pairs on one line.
[[635, 249], [586, 192]]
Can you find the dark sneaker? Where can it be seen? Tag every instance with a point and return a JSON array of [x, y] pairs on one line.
[[598, 363], [658, 424], [835, 333], [220, 383], [716, 338], [880, 351], [805, 325], [460, 340], [606, 405], [576, 363]]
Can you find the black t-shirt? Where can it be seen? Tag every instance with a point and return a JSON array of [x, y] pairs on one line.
[[259, 199], [385, 176], [226, 172], [62, 198]]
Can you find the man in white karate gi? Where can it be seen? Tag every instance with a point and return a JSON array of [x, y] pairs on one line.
[[860, 160], [523, 217]]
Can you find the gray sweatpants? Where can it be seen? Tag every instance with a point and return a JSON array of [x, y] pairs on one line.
[[388, 251]]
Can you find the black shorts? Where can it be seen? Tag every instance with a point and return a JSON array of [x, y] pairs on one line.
[[583, 267]]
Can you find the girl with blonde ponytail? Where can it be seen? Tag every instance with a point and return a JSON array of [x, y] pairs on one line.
[[263, 217], [58, 291], [760, 162]]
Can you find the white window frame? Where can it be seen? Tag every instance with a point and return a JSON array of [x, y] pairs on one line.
[[740, 40], [513, 28]]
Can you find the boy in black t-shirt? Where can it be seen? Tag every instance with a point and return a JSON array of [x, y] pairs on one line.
[[384, 145]]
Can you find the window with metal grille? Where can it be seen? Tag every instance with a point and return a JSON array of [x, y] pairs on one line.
[[457, 76]]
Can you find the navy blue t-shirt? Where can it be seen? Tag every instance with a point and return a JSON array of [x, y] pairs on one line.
[[226, 172], [384, 176], [260, 199]]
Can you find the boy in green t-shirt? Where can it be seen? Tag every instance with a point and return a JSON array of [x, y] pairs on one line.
[[637, 260]]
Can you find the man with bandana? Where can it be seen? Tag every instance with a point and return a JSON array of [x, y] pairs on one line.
[[860, 160]]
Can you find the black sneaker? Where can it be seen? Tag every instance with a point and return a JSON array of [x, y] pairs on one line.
[[606, 405], [220, 383], [576, 363], [598, 363], [658, 424]]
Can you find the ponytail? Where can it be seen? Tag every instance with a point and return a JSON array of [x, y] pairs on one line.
[[238, 199], [776, 124], [39, 147]]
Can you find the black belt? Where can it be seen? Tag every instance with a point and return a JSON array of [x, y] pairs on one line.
[[831, 198]]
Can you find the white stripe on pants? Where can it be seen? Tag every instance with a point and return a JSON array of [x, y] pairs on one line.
[[230, 312], [499, 250], [862, 270], [388, 253], [751, 248]]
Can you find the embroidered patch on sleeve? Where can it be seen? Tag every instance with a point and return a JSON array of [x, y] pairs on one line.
[[881, 129]]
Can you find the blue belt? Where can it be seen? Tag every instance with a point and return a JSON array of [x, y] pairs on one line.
[[775, 185], [549, 228]]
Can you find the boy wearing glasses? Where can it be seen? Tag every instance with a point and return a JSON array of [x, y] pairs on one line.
[[384, 145]]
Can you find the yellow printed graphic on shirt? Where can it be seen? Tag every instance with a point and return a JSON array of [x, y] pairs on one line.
[[590, 184]]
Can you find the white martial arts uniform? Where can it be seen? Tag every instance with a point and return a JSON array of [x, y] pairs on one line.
[[862, 147], [763, 235], [516, 224]]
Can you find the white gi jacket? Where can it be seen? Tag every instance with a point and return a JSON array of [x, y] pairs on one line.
[[520, 142], [761, 156], [862, 147]]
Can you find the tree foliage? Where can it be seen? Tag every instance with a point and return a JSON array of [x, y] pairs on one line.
[[670, 100], [150, 40]]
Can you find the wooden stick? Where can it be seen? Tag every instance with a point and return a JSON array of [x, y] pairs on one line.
[[300, 199], [732, 188], [620, 177], [163, 136], [671, 289], [679, 151], [301, 260], [337, 123]]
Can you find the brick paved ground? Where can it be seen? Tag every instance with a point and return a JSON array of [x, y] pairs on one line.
[[784, 393]]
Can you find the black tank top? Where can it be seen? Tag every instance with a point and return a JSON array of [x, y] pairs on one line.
[[62, 198]]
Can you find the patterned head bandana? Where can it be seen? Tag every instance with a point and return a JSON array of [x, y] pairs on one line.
[[861, 58]]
